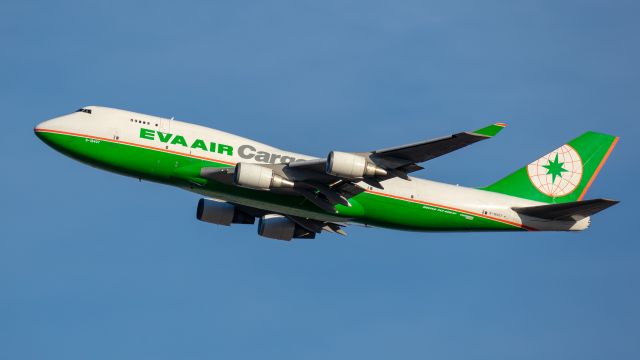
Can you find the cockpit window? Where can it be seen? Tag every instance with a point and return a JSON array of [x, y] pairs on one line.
[[88, 111]]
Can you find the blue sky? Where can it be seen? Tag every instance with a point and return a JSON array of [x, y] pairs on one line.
[[98, 266]]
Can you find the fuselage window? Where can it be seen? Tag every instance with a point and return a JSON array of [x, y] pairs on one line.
[[88, 111]]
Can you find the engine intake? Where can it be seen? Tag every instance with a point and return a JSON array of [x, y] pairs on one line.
[[258, 177], [221, 213], [281, 228], [351, 166]]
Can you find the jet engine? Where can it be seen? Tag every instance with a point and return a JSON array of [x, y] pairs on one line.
[[221, 213], [351, 166], [281, 228], [258, 177]]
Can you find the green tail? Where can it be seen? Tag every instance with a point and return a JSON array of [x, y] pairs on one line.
[[564, 174]]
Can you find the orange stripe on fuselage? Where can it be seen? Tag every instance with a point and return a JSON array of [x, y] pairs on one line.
[[230, 163], [134, 144], [454, 209]]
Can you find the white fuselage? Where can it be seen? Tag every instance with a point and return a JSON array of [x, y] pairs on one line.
[[107, 124]]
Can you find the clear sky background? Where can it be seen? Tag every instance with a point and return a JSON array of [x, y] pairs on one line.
[[98, 266]]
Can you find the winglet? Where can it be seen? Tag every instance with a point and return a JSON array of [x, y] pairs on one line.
[[491, 130]]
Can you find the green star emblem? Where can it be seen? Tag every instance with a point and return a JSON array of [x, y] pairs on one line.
[[555, 169]]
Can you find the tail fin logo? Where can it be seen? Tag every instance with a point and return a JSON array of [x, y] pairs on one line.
[[558, 173]]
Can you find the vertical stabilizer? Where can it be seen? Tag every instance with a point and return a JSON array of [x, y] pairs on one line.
[[563, 175]]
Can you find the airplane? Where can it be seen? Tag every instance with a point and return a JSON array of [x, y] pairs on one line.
[[296, 196]]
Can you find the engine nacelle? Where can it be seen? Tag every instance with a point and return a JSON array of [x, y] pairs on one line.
[[351, 166], [221, 213], [254, 176], [281, 228]]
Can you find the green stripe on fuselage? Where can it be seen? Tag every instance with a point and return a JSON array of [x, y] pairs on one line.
[[184, 171]]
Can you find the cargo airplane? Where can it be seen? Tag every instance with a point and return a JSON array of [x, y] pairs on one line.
[[297, 196]]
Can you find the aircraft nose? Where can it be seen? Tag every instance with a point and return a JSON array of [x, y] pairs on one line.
[[54, 132], [49, 126], [52, 124]]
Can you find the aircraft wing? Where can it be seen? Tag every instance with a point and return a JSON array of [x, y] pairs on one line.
[[430, 149], [400, 160], [312, 226], [333, 180]]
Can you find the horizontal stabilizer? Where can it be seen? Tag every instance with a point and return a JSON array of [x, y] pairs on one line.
[[570, 211]]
